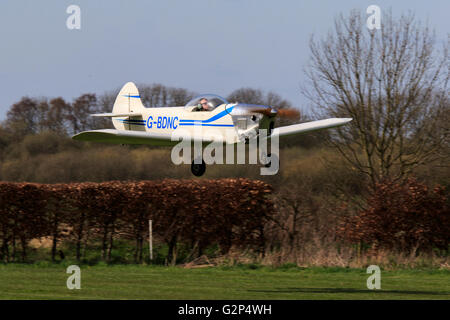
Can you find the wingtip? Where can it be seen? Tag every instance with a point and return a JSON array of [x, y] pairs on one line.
[[76, 136], [342, 120]]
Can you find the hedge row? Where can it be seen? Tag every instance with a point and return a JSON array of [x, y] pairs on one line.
[[402, 216], [226, 212]]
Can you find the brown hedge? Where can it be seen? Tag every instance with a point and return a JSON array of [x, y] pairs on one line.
[[226, 212], [402, 216]]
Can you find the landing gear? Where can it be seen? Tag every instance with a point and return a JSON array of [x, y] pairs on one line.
[[268, 162], [198, 169], [273, 159]]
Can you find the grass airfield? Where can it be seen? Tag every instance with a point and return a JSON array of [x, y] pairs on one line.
[[40, 281]]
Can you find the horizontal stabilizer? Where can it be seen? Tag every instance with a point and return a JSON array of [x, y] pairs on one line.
[[129, 114]]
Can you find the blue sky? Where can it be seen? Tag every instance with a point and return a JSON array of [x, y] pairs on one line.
[[203, 45]]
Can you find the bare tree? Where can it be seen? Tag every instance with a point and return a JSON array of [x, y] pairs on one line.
[[56, 117], [105, 105], [296, 211], [35, 115], [180, 96], [392, 82], [22, 117], [158, 95], [81, 109], [256, 96]]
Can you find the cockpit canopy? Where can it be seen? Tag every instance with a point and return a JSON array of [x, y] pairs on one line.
[[213, 101]]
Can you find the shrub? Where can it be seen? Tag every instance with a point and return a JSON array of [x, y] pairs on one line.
[[402, 217]]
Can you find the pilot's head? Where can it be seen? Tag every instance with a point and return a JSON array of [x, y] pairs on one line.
[[204, 104]]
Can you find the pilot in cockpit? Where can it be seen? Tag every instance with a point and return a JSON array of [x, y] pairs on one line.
[[203, 105]]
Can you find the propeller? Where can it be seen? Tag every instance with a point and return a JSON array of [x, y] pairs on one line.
[[288, 113]]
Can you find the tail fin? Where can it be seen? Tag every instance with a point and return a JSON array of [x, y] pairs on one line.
[[127, 109], [128, 100]]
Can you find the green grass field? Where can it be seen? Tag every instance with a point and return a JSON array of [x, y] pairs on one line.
[[157, 282]]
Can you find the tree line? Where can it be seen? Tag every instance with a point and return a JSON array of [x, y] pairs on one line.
[[37, 115]]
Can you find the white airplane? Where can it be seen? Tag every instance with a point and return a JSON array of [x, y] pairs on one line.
[[236, 122]]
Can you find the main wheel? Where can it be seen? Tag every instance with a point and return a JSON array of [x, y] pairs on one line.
[[273, 158], [198, 169]]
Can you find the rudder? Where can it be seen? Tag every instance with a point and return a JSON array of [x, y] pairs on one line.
[[128, 100]]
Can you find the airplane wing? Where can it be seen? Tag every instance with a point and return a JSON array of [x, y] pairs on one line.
[[310, 126], [130, 137], [165, 139]]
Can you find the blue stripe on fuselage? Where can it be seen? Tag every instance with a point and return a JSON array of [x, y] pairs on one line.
[[213, 118], [206, 125]]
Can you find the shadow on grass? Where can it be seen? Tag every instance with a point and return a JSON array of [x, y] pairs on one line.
[[349, 290]]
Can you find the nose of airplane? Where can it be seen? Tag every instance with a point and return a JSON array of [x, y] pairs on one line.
[[248, 109]]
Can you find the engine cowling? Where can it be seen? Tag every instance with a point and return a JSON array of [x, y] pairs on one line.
[[248, 119]]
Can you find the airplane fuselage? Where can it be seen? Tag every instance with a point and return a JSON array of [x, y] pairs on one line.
[[176, 119]]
